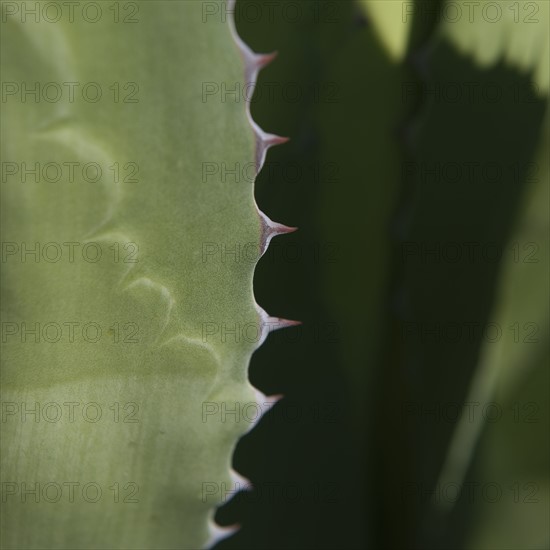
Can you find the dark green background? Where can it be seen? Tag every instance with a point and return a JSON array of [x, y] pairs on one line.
[[349, 373]]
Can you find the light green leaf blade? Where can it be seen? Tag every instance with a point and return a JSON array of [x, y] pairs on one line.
[[392, 22], [129, 292], [516, 32]]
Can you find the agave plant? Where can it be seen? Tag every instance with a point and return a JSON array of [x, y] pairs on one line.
[[135, 139]]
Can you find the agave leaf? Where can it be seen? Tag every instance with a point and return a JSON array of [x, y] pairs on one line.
[[516, 32], [130, 317], [514, 452], [508, 214], [392, 22]]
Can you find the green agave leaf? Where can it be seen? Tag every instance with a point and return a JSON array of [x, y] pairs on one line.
[[516, 32], [500, 48], [521, 313], [393, 23], [129, 291], [514, 452]]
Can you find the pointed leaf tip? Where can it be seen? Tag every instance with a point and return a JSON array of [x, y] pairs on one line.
[[275, 228], [274, 399], [268, 401], [240, 482], [278, 323], [271, 229], [280, 229], [263, 60], [269, 140], [264, 142], [287, 229], [218, 533]]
